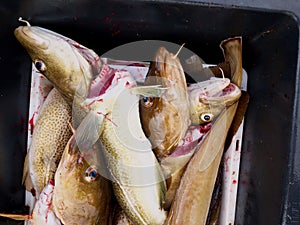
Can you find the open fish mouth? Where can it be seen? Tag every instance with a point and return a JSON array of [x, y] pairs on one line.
[[229, 92], [215, 89], [209, 98]]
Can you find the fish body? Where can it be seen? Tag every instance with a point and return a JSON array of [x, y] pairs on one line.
[[207, 100], [138, 182], [192, 199], [50, 136], [165, 120], [66, 63], [81, 194]]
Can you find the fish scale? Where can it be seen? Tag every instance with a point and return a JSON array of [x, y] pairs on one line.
[[50, 135]]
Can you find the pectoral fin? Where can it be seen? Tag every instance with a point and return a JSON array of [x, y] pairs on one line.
[[150, 90], [89, 130]]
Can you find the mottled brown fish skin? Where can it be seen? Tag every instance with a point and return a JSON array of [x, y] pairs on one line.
[[165, 120], [193, 196], [79, 197], [50, 136]]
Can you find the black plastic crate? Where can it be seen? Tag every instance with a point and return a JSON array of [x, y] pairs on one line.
[[269, 174]]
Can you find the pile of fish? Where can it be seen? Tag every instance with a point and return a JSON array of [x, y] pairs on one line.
[[109, 150]]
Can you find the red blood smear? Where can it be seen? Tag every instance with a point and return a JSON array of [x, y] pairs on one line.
[[230, 88], [102, 83], [31, 123], [190, 142], [234, 182]]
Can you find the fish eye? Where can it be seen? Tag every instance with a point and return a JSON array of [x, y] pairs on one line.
[[40, 65], [91, 174], [206, 117], [147, 101]]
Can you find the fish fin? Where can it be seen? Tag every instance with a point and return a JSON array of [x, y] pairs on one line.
[[89, 130], [26, 180], [16, 216], [149, 90]]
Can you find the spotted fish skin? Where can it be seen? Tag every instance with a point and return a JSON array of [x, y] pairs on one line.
[[50, 136]]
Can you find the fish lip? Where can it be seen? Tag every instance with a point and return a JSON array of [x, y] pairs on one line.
[[223, 94], [27, 35], [229, 92]]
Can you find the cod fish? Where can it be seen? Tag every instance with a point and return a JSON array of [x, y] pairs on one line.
[[50, 136], [207, 100], [81, 195], [138, 182], [192, 199], [42, 213], [165, 120], [68, 65]]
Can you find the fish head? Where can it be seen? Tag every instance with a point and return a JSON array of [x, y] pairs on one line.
[[63, 61], [79, 184], [209, 98], [165, 119], [81, 166]]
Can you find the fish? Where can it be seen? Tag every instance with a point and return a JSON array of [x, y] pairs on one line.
[[192, 199], [193, 196], [208, 98], [42, 213], [165, 120], [68, 65], [174, 165], [81, 195], [49, 138], [136, 176]]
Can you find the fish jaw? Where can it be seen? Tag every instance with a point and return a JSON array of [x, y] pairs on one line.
[[63, 61], [208, 99], [79, 198]]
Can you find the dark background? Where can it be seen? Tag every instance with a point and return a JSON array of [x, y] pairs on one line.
[[269, 184]]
